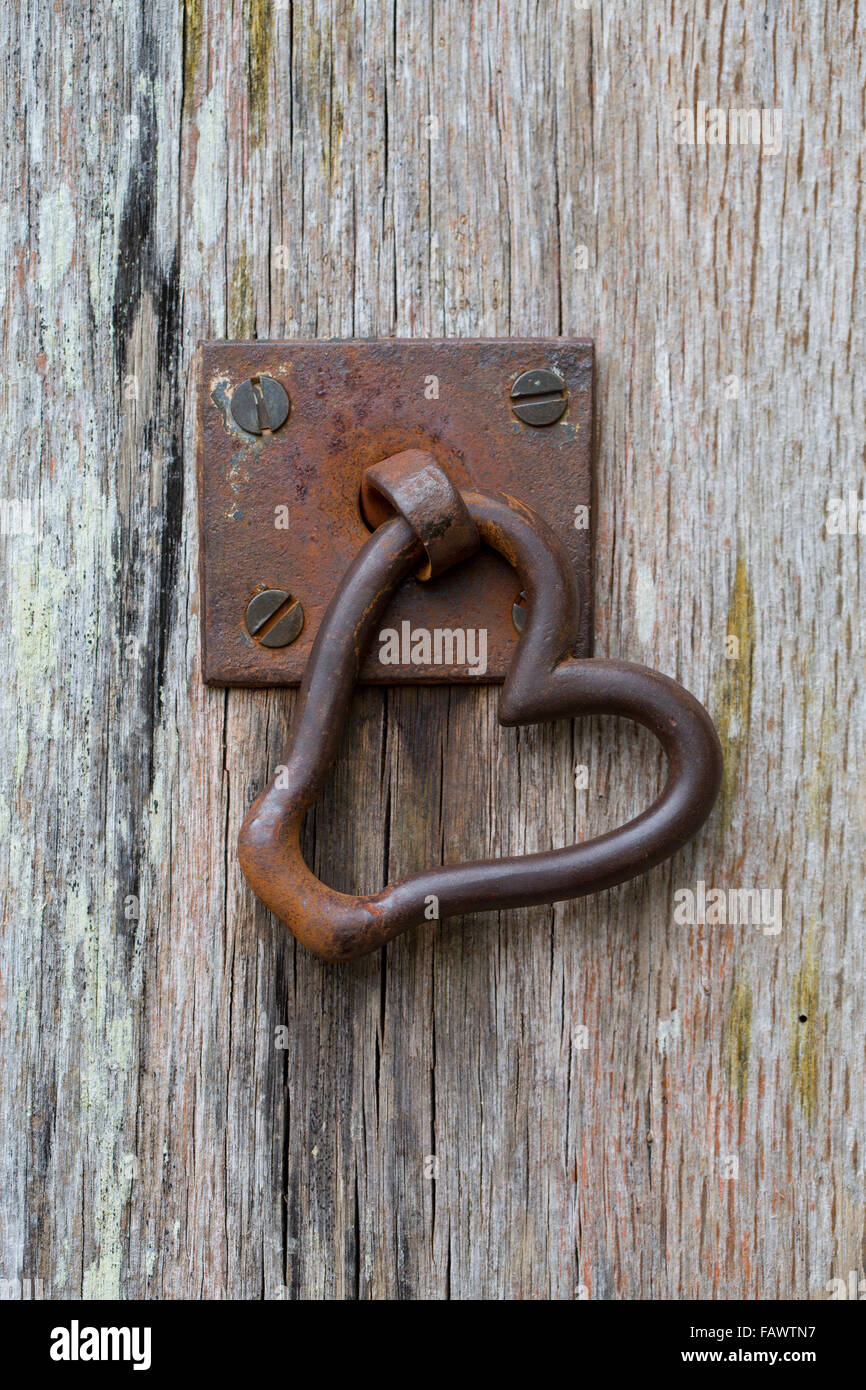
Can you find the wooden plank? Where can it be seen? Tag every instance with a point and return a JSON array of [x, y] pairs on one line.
[[587, 1078]]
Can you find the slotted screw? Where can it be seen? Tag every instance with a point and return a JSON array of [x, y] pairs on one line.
[[539, 397], [274, 618], [260, 404]]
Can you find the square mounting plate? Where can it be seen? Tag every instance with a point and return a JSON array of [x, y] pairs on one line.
[[281, 510]]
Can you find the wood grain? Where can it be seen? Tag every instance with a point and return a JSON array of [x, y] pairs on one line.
[[583, 1076]]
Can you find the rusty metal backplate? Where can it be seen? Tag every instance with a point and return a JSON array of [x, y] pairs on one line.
[[281, 510]]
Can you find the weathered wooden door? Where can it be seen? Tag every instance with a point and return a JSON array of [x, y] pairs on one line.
[[597, 1099]]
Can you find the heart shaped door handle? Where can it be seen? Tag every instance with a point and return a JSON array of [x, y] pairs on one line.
[[435, 526]]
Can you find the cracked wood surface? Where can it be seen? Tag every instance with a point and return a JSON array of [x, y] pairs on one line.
[[550, 1103]]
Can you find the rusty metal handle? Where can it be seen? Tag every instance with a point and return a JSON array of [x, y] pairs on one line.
[[544, 682]]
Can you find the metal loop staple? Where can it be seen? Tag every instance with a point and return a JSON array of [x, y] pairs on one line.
[[417, 488], [543, 683]]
